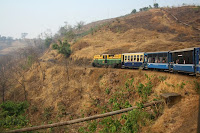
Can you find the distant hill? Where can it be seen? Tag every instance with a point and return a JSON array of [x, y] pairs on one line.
[[14, 45]]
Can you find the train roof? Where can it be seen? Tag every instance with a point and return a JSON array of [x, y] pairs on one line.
[[186, 49], [134, 53], [157, 52]]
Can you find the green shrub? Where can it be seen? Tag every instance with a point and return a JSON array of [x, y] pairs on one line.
[[110, 125], [134, 120], [12, 114], [64, 48], [144, 90], [108, 91], [134, 11], [55, 46], [162, 78], [92, 126], [48, 113]]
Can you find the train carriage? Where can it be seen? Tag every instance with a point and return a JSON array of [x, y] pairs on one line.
[[185, 60], [132, 60], [157, 60], [107, 60]]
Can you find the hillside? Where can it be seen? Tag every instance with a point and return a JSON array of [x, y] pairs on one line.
[[56, 89], [61, 88], [153, 30]]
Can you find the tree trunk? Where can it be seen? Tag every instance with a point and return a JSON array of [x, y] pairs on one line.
[[25, 93]]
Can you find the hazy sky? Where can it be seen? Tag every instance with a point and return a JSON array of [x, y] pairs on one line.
[[36, 16]]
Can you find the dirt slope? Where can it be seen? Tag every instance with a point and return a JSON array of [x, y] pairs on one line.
[[153, 30]]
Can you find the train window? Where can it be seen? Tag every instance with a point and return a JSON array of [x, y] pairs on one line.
[[164, 60], [138, 58], [141, 57], [185, 57], [125, 58], [128, 58], [199, 59], [110, 55], [134, 57], [149, 58], [131, 57]]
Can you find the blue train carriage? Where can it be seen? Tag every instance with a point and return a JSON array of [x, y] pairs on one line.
[[157, 60], [132, 60], [186, 60]]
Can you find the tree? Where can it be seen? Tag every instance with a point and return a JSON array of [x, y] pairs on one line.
[[23, 35], [63, 48], [134, 11], [156, 5], [80, 25], [62, 31], [48, 41], [5, 68]]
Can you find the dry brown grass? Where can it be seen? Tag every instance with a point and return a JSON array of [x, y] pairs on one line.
[[154, 30]]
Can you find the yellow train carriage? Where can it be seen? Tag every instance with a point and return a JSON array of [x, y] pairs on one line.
[[132, 60]]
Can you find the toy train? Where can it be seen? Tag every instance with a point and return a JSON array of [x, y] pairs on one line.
[[184, 60]]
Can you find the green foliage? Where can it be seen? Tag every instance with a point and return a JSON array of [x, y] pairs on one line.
[[47, 42], [144, 90], [30, 60], [131, 122], [129, 83], [155, 5], [63, 48], [47, 113], [134, 11], [134, 120], [108, 91], [162, 78], [92, 126], [182, 85], [55, 46], [144, 9], [110, 125], [12, 114], [147, 76], [61, 110], [82, 130]]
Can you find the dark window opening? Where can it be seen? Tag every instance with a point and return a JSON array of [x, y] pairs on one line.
[[185, 57], [138, 58], [157, 58], [134, 57]]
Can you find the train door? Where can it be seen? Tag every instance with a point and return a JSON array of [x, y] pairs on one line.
[[170, 61], [106, 59], [197, 60], [122, 59]]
